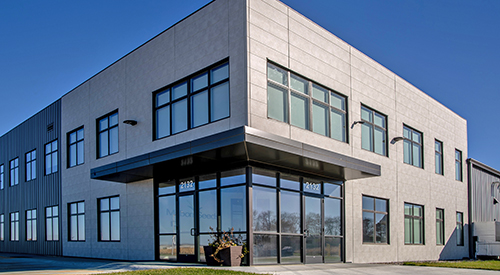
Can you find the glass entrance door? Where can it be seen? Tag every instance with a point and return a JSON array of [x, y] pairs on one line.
[[313, 230], [187, 230]]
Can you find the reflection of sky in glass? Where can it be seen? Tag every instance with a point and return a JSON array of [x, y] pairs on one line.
[[167, 214], [186, 220], [208, 210], [233, 208]]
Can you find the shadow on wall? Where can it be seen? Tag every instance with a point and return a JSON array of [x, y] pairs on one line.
[[452, 251]]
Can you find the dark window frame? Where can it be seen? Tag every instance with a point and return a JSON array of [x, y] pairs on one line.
[[311, 101], [421, 144], [70, 144], [51, 219], [459, 171], [29, 221], [460, 223], [30, 164], [14, 222], [413, 217], [107, 129], [51, 153], [375, 112], [441, 158], [188, 97], [374, 212], [99, 222], [70, 225], [440, 221], [14, 171]]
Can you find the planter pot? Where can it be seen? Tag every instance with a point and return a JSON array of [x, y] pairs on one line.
[[231, 256], [210, 260]]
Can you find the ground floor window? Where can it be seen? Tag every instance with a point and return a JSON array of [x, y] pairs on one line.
[[414, 224], [77, 221], [375, 220], [52, 223], [460, 229], [439, 226], [109, 219], [31, 225], [14, 226]]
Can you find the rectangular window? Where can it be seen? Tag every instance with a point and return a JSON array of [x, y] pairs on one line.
[[14, 226], [375, 220], [107, 135], [460, 229], [2, 227], [109, 219], [31, 165], [305, 104], [51, 157], [2, 176], [52, 223], [439, 226], [413, 147], [438, 148], [373, 131], [75, 148], [76, 221], [414, 224], [458, 165], [195, 101], [14, 172], [31, 225]]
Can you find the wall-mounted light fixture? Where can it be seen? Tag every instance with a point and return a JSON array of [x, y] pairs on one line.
[[130, 122], [356, 122], [396, 139]]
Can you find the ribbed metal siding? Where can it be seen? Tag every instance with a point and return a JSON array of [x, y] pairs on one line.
[[37, 194], [483, 209]]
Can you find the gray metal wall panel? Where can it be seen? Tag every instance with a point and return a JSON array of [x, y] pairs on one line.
[[37, 194], [483, 209]]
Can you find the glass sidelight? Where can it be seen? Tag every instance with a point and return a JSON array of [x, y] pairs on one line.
[[187, 230], [313, 230]]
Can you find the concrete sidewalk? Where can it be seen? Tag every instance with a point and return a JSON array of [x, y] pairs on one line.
[[32, 264]]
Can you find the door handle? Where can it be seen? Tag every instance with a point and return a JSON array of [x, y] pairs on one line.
[[192, 232]]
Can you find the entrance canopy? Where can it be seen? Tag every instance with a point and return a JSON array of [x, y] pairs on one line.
[[238, 146]]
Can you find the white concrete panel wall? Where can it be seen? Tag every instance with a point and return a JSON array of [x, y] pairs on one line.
[[282, 35], [216, 32]]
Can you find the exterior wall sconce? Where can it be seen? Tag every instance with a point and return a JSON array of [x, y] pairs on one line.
[[396, 139], [130, 122], [356, 122]]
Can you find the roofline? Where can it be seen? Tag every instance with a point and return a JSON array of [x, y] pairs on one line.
[[483, 166]]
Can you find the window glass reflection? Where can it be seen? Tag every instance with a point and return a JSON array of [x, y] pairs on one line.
[[233, 177], [265, 249], [290, 212], [233, 208], [207, 210], [265, 177], [167, 214], [264, 209], [167, 187]]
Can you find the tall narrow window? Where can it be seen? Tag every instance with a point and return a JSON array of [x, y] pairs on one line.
[[31, 225], [305, 104], [439, 226], [373, 131], [75, 148], [438, 153], [51, 157], [109, 219], [107, 135], [458, 165], [460, 229], [2, 227], [375, 220], [2, 176], [52, 223], [14, 172], [77, 221], [414, 224], [31, 165], [195, 101], [413, 147], [14, 226]]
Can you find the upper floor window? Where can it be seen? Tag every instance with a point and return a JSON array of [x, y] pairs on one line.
[[413, 147], [14, 226], [107, 135], [192, 102], [14, 172], [77, 221], [438, 153], [373, 131], [2, 176], [31, 165], [31, 234], [75, 148], [51, 157], [52, 223], [109, 219], [305, 104], [458, 165], [414, 224], [375, 220]]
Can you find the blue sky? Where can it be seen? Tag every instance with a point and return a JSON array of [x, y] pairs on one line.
[[450, 49]]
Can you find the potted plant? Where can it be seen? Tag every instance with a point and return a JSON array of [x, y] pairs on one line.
[[227, 249]]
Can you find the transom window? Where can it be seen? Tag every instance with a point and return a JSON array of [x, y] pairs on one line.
[[14, 172], [107, 135], [438, 153], [413, 145], [51, 157], [75, 148], [31, 225], [194, 101], [305, 104], [414, 224], [52, 223], [375, 220], [373, 131], [31, 165], [458, 165]]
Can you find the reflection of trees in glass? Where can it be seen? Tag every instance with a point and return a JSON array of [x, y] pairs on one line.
[[333, 226], [313, 223], [290, 222], [381, 230], [264, 221], [367, 230]]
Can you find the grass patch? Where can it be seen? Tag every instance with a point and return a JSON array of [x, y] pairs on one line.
[[183, 271], [488, 265]]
